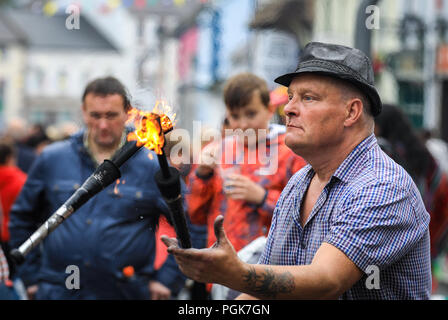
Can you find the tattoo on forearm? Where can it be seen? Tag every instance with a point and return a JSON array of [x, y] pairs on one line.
[[269, 284]]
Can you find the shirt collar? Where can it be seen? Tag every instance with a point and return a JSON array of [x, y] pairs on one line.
[[351, 164]]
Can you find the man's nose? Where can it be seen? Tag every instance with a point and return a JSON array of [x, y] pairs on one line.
[[290, 110], [103, 123]]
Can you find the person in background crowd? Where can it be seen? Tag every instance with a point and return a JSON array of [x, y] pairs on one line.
[[110, 238], [437, 147], [38, 139], [12, 180], [6, 285], [403, 144], [409, 150], [18, 131]]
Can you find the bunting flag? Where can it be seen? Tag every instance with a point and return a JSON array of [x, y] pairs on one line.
[[51, 7], [179, 3], [114, 4], [140, 4]]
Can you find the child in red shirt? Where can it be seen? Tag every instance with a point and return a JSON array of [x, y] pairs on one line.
[[12, 180], [249, 171]]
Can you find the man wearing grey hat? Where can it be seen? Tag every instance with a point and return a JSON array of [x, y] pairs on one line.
[[349, 225]]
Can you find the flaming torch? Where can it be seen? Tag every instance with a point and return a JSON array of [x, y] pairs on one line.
[[150, 133]]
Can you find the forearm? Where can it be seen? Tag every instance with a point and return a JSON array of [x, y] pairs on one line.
[[283, 282]]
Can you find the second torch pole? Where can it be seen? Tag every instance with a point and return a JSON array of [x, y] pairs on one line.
[[168, 182]]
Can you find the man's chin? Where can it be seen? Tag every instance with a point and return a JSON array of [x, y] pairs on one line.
[[105, 144], [296, 145]]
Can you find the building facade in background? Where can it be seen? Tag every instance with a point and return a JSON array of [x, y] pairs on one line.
[[183, 51]]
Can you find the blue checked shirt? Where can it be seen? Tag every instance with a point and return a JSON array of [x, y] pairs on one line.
[[372, 211]]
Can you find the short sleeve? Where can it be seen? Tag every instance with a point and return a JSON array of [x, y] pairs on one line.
[[379, 224]]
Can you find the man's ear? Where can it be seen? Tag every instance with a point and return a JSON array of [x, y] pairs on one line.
[[354, 110], [127, 111]]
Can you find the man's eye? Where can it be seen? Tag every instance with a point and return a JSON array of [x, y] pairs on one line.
[[111, 116], [251, 114], [95, 115], [308, 98]]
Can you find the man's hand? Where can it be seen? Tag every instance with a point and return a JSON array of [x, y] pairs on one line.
[[158, 291], [329, 275], [240, 187], [217, 264]]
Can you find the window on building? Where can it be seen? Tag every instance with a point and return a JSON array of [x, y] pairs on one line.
[[62, 80], [411, 96]]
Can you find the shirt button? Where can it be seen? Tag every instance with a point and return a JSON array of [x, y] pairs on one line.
[[89, 221], [303, 245]]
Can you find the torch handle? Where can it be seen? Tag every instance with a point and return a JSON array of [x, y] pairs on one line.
[[179, 221], [164, 167], [103, 176], [171, 192], [126, 151], [40, 234]]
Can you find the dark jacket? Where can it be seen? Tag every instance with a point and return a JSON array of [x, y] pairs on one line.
[[109, 232]]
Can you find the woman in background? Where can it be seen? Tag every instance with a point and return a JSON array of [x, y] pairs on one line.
[[400, 140]]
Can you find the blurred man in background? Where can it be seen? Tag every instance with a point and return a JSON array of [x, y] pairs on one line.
[[109, 239]]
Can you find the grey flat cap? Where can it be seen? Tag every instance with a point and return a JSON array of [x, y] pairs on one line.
[[341, 62]]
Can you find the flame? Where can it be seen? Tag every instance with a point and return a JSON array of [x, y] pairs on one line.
[[116, 191], [116, 187], [151, 126]]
